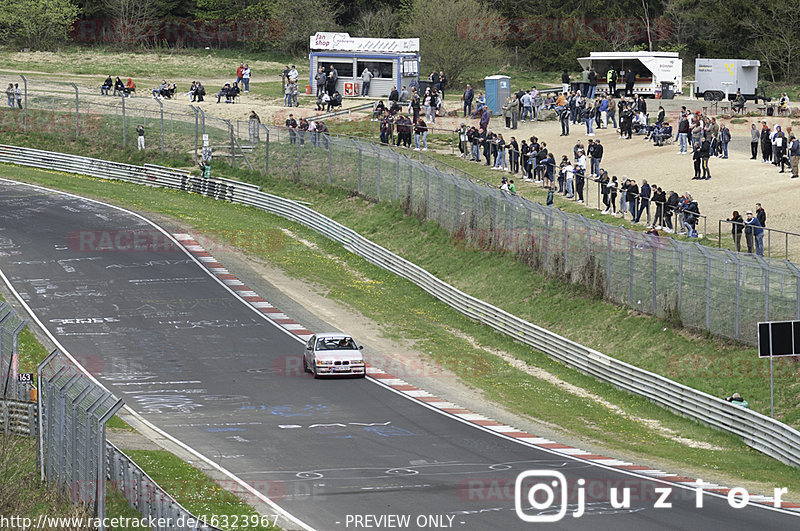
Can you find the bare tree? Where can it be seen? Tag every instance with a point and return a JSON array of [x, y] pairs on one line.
[[646, 20], [132, 20]]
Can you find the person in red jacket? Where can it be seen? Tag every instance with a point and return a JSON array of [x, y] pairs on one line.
[[239, 72]]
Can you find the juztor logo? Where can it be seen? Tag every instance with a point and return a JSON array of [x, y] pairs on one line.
[[547, 482]]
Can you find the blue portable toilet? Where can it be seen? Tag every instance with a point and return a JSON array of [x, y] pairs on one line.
[[498, 88]]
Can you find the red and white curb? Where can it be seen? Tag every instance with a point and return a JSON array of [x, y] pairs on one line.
[[247, 294], [435, 402]]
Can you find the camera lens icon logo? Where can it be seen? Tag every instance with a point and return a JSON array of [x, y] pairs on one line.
[[527, 491]]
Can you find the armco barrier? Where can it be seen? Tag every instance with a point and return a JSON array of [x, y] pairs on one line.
[[758, 431], [146, 496]]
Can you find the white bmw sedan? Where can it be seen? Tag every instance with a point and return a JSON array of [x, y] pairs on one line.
[[333, 355]]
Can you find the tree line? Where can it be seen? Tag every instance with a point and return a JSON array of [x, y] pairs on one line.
[[455, 35]]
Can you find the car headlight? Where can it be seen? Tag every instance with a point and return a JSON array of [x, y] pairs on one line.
[[324, 362], [357, 362]]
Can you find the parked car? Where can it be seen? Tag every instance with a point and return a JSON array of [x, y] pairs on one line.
[[333, 354]]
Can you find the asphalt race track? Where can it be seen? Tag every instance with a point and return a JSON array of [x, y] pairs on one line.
[[193, 359]]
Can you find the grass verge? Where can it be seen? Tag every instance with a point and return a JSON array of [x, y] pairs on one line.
[[468, 348]]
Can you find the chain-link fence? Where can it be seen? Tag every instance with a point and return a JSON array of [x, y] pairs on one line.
[[146, 496], [712, 289], [73, 411], [702, 287], [11, 324]]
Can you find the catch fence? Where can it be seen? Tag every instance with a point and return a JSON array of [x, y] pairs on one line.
[[712, 289]]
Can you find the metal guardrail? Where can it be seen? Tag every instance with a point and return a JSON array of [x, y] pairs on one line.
[[144, 494], [760, 432]]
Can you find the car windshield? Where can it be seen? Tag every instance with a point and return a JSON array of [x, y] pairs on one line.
[[344, 343]]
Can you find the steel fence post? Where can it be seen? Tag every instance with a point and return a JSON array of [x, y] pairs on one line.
[[25, 118], [441, 198], [233, 147], [124, 125], [708, 288], [397, 179], [196, 131], [378, 157], [630, 269], [565, 224], [77, 111], [330, 162], [655, 275], [360, 157], [427, 194], [266, 150], [161, 110], [608, 262]]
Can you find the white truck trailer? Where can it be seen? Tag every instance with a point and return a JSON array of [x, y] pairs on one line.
[[651, 69], [716, 78]]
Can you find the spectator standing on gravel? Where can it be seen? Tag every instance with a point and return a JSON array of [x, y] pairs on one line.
[[527, 106], [366, 79], [644, 202], [633, 197], [623, 195], [246, 78], [669, 209], [285, 77], [565, 81], [761, 215], [724, 140], [10, 95], [18, 94], [755, 136], [320, 79], [421, 133], [612, 112], [683, 134], [467, 98], [737, 226], [766, 143], [563, 118], [660, 199], [794, 153], [612, 186], [705, 153], [757, 230], [140, 140], [513, 155], [779, 148], [597, 157]]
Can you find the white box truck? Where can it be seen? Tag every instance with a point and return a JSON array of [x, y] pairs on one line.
[[652, 69], [716, 78]]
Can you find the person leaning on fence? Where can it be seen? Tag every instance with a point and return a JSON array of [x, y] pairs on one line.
[[254, 123], [302, 127], [106, 86], [140, 134], [737, 400], [291, 125], [754, 227], [737, 226]]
